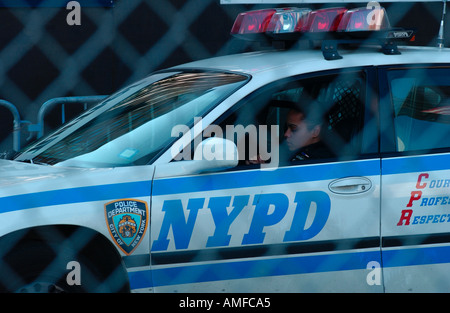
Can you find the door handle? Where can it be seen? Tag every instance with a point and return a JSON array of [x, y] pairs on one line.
[[350, 185]]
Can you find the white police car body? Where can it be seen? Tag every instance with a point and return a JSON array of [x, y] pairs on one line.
[[170, 209]]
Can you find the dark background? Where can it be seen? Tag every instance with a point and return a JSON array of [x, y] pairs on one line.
[[42, 57]]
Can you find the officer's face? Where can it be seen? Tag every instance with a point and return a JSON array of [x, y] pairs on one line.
[[297, 134]]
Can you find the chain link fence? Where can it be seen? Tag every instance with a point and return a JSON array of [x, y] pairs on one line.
[[43, 57], [51, 71]]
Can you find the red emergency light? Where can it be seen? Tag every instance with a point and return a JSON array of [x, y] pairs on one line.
[[325, 20], [364, 19], [253, 22]]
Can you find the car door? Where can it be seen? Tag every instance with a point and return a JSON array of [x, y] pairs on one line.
[[415, 178], [272, 223]]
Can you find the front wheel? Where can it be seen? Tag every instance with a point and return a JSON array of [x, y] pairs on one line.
[[38, 267]]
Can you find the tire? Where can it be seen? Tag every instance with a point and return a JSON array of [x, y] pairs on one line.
[[39, 267]]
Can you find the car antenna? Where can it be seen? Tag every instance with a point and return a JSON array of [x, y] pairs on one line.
[[440, 40]]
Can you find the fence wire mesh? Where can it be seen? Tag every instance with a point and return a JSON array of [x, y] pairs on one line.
[[42, 58]]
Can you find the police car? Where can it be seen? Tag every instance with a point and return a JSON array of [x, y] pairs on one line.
[[184, 181]]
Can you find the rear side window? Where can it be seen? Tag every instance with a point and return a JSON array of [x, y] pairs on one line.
[[421, 104]]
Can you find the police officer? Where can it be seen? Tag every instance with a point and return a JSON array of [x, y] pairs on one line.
[[303, 133]]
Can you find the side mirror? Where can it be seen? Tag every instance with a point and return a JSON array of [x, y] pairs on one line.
[[218, 152], [212, 154]]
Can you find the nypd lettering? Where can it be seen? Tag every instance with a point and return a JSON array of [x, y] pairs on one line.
[[440, 190], [255, 214], [127, 222]]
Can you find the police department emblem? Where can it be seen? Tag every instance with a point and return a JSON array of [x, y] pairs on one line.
[[127, 222]]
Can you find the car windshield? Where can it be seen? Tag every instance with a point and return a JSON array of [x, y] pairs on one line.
[[134, 125]]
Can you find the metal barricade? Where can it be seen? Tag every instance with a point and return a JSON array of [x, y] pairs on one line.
[[16, 123], [50, 104]]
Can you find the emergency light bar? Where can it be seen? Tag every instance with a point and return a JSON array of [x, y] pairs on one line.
[[332, 26], [303, 20]]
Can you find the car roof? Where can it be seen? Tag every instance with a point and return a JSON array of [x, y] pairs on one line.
[[311, 60]]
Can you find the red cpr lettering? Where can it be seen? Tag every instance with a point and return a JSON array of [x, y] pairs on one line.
[[419, 184], [406, 216], [415, 195]]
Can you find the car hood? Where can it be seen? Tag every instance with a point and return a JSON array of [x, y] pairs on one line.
[[14, 172]]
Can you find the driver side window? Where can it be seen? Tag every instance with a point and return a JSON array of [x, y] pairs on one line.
[[310, 120]]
